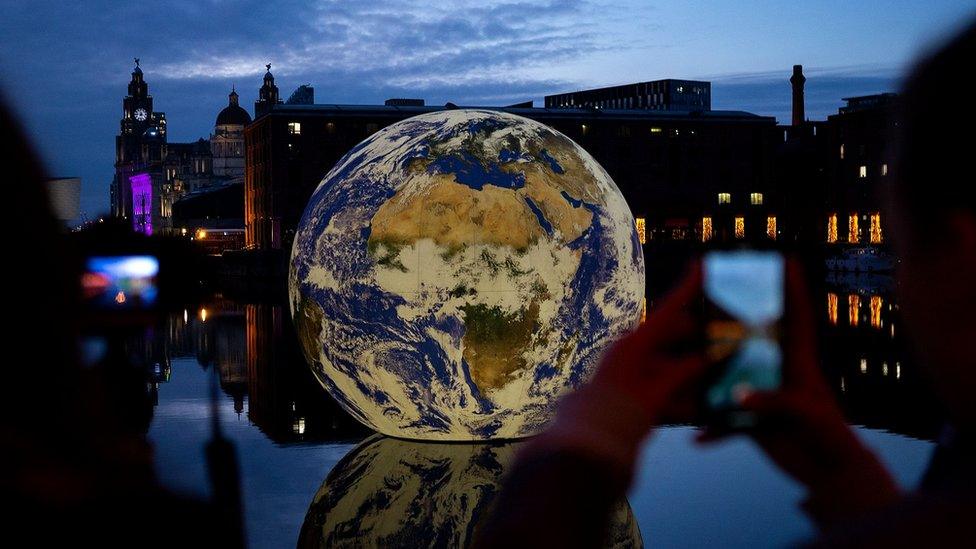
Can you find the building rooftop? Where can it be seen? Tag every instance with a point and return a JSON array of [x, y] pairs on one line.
[[631, 84], [233, 115], [865, 102], [570, 112]]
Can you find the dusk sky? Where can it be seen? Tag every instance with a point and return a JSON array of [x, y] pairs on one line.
[[65, 65]]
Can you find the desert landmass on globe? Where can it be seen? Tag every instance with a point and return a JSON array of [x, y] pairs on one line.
[[458, 271]]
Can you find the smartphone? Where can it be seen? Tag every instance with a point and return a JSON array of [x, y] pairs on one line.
[[743, 318], [127, 282]]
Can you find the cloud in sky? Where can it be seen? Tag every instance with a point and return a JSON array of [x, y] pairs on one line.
[[64, 65]]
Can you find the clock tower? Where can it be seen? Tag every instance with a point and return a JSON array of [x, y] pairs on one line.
[[267, 95], [140, 149]]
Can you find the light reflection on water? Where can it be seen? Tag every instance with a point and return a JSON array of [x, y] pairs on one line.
[[290, 435]]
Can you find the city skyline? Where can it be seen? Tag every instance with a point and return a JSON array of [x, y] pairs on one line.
[[70, 74]]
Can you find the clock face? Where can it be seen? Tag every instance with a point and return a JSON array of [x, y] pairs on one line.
[[141, 114]]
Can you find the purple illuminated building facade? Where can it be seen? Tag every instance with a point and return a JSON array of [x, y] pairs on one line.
[[141, 191]]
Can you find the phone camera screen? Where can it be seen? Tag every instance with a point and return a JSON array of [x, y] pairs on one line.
[[120, 282], [744, 311]]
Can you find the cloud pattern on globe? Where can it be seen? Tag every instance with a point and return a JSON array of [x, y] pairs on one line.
[[458, 271]]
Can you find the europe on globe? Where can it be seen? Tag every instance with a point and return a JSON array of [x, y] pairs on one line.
[[457, 272]]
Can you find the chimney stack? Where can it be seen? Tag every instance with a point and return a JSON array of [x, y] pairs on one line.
[[797, 81]]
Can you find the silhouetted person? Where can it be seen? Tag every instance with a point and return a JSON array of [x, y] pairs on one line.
[[75, 471], [565, 482]]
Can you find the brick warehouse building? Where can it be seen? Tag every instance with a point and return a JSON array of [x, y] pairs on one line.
[[837, 172], [685, 174]]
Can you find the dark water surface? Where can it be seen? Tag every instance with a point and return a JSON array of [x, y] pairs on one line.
[[291, 437]]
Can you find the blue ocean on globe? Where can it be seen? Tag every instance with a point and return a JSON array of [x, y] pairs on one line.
[[457, 272]]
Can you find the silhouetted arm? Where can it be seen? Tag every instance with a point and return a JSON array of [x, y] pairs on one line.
[[567, 481]]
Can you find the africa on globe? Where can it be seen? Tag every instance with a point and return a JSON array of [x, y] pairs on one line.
[[457, 272]]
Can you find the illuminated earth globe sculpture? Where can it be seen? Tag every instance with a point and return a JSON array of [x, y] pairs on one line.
[[458, 271], [389, 492]]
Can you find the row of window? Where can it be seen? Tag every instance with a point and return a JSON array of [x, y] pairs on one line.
[[626, 131], [756, 199], [295, 128], [854, 230], [855, 316], [862, 170], [639, 101], [738, 227]]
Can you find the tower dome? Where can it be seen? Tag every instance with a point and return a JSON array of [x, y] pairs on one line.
[[233, 113]]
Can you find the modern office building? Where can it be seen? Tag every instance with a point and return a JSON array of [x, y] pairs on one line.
[[660, 95], [64, 196]]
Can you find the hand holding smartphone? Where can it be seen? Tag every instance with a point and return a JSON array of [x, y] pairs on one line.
[[744, 306]]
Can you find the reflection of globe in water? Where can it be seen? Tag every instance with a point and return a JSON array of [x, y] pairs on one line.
[[395, 493], [457, 271]]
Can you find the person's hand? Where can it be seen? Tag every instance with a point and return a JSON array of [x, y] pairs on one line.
[[801, 428], [657, 366], [635, 384]]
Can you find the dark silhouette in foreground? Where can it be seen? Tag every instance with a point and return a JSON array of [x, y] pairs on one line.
[[565, 481], [77, 468]]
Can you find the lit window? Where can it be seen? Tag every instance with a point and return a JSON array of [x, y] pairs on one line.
[[875, 228], [656, 130], [884, 169], [295, 128], [862, 171], [832, 229], [771, 227], [724, 198], [841, 151], [640, 223], [875, 306], [706, 229], [740, 227], [756, 199], [853, 315], [832, 308], [853, 230]]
